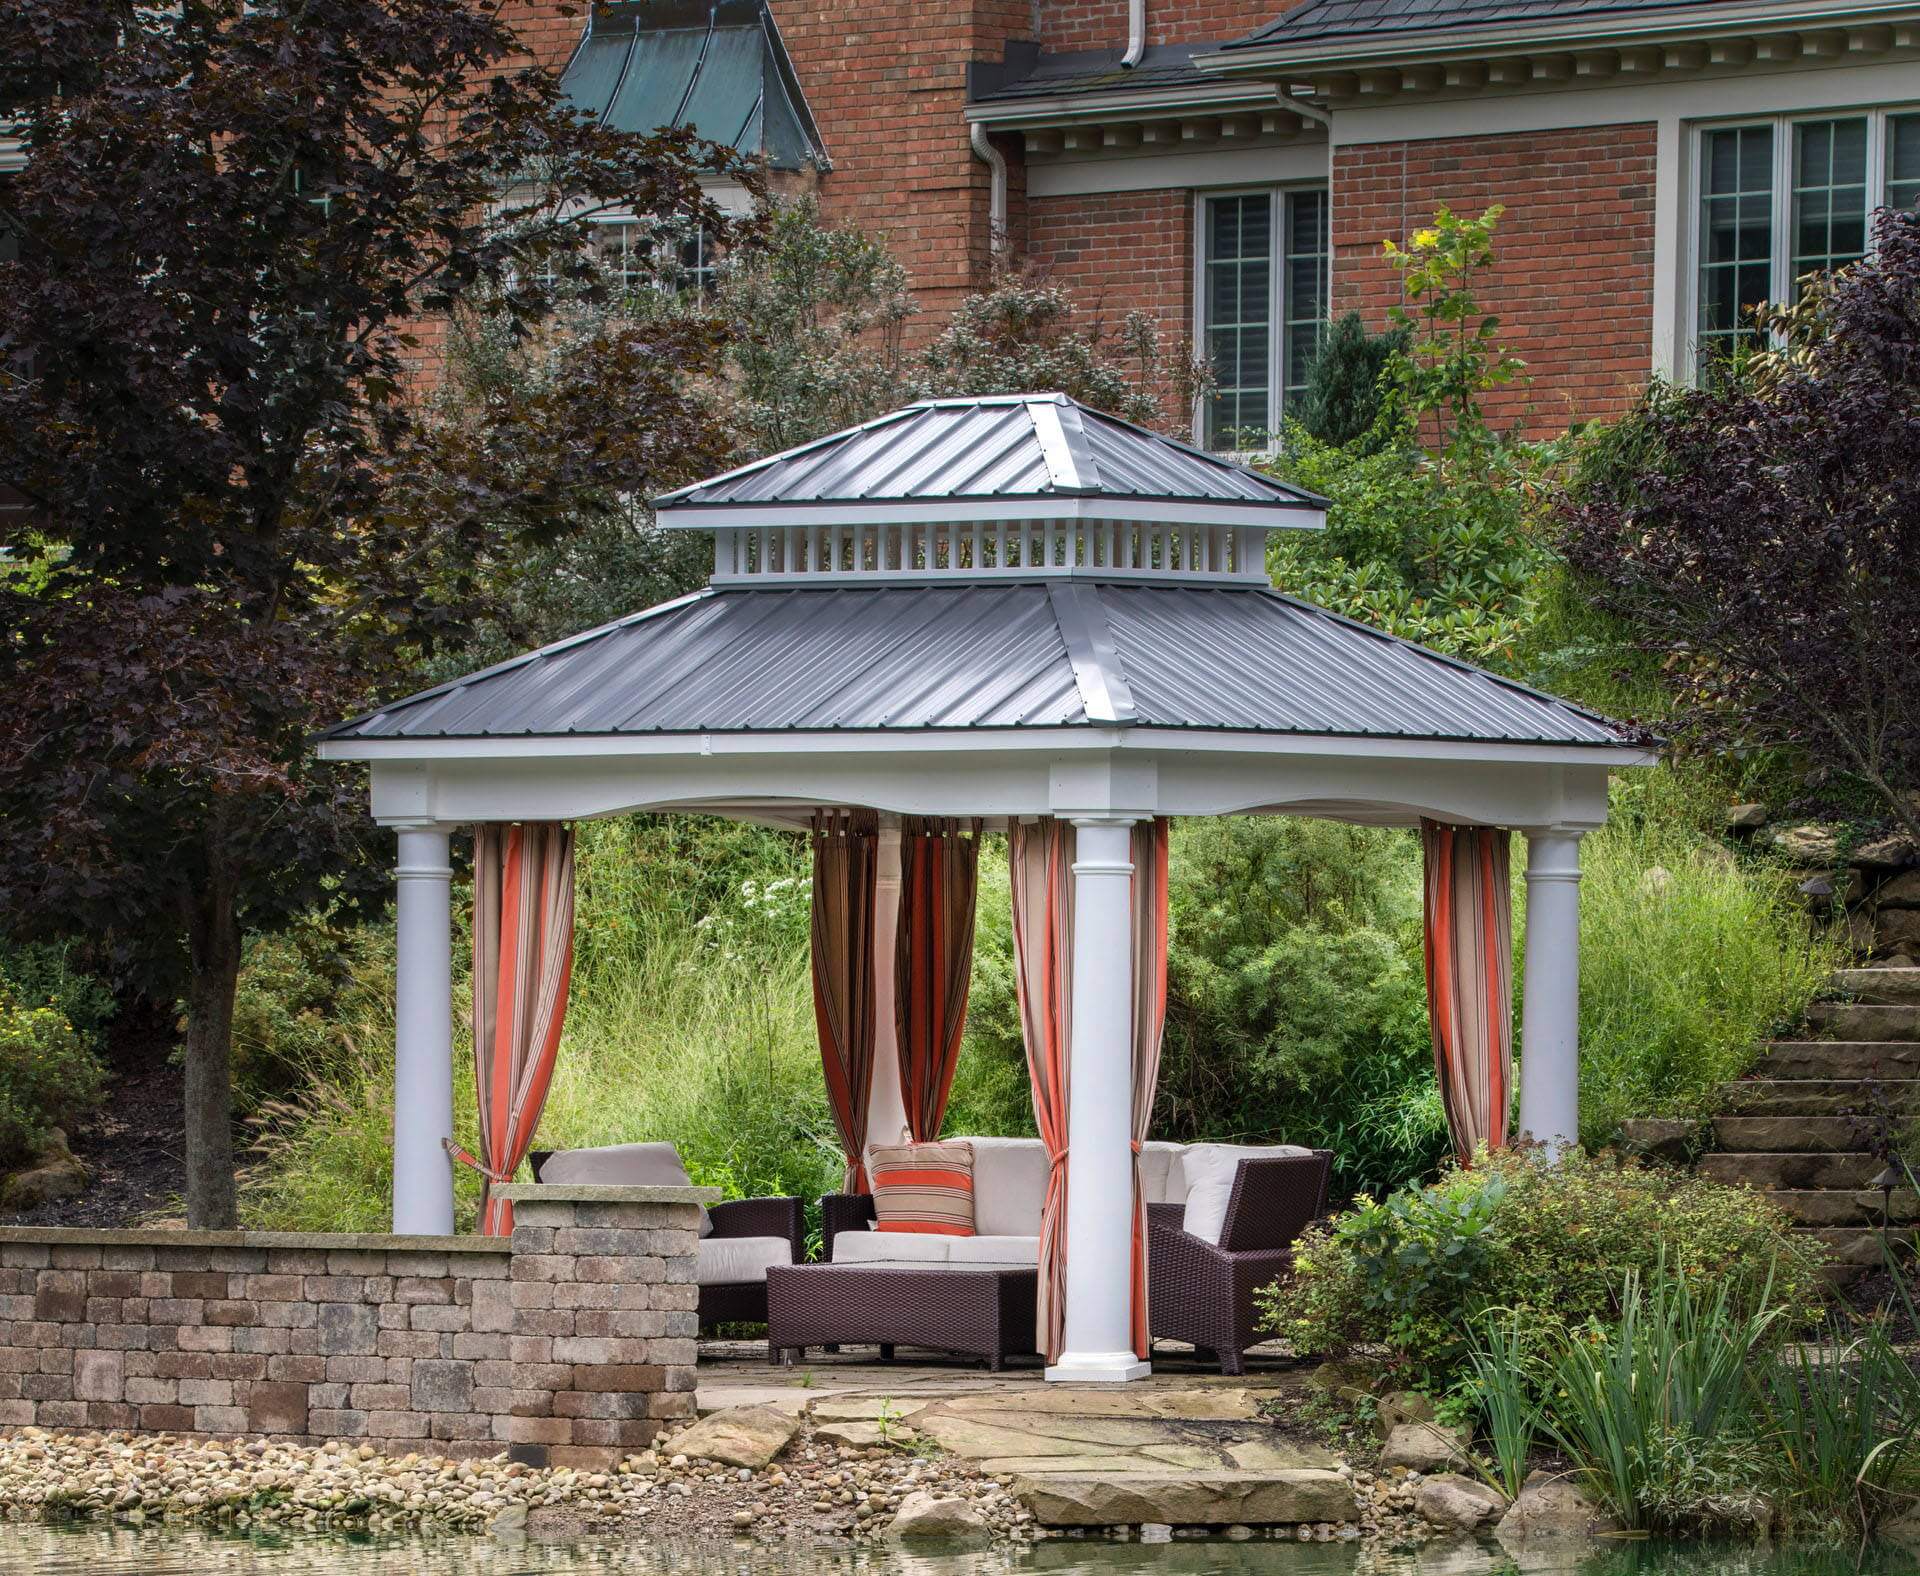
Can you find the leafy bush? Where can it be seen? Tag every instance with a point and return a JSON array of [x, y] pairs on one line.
[[48, 1076], [45, 974], [1560, 1237], [1344, 399]]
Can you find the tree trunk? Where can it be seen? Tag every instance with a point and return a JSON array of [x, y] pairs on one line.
[[215, 944]]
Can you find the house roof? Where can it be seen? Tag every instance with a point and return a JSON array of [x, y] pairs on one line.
[[1074, 73], [1325, 20], [716, 67], [903, 659], [1000, 448]]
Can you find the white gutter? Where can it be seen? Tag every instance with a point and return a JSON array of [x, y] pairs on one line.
[[1304, 110], [996, 162], [1136, 33]]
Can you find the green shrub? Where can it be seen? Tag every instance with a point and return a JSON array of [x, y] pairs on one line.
[[49, 1076], [1560, 1237], [1344, 397], [45, 974]]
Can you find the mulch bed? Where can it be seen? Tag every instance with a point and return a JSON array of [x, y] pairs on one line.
[[135, 1146]]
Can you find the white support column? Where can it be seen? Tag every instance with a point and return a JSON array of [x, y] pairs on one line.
[[423, 1037], [886, 1107], [1099, 1323], [1550, 993]]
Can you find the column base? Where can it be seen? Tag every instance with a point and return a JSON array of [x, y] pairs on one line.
[[1097, 1368]]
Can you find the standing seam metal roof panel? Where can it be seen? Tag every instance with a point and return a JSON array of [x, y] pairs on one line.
[[1324, 19], [987, 448], [902, 658]]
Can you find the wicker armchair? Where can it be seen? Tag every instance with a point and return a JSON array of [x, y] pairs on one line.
[[842, 1212], [1202, 1292], [738, 1302]]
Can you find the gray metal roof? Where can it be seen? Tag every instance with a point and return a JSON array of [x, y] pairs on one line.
[[717, 67], [1321, 20], [1000, 447], [1072, 72], [900, 659]]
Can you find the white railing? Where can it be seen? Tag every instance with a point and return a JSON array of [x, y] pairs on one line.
[[1010, 550]]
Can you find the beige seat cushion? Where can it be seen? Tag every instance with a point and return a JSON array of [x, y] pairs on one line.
[[623, 1165], [1009, 1186], [1209, 1171], [891, 1247], [733, 1261], [997, 1253]]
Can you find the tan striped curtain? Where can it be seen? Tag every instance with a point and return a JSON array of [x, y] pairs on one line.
[[846, 866], [1149, 916], [522, 967], [1041, 857], [1469, 955], [933, 962]]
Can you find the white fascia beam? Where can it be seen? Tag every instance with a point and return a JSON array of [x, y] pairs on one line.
[[1010, 511]]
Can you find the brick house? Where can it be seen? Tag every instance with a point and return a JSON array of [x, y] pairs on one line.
[[1233, 165]]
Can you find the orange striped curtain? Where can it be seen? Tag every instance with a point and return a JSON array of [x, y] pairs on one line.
[[933, 962], [1041, 857], [522, 967], [846, 866], [1149, 1028], [1469, 952]]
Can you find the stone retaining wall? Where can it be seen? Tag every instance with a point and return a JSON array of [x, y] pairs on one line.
[[571, 1342]]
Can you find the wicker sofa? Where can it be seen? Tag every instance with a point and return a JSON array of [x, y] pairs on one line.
[[739, 1240]]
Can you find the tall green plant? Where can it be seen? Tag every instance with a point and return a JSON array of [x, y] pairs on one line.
[[1503, 1394]]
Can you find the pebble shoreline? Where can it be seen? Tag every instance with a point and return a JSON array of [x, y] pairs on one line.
[[816, 1491]]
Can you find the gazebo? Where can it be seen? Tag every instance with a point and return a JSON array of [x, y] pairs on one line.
[[1015, 613]]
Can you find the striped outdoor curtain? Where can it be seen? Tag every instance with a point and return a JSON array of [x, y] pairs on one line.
[[1040, 854], [1149, 925], [1469, 954], [933, 962], [522, 966], [846, 865]]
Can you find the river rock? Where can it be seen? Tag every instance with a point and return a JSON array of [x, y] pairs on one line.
[[1886, 853], [1403, 1406], [1746, 817], [741, 1436], [1424, 1447], [1463, 1504], [1808, 845], [925, 1517], [1348, 1381], [1185, 1499], [1553, 1506], [1666, 1139]]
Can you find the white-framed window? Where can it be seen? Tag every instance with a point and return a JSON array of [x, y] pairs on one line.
[[1261, 275], [1782, 196], [645, 254]]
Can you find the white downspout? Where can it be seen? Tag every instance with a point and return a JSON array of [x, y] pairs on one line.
[[996, 163], [1136, 32]]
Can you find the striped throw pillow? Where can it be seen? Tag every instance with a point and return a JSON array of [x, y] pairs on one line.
[[926, 1188]]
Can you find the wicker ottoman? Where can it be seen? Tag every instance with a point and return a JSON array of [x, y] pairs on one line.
[[985, 1313]]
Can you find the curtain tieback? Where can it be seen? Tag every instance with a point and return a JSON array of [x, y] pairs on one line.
[[479, 1165]]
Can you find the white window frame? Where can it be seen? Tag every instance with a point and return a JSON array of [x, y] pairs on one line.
[[1780, 262], [1276, 294]]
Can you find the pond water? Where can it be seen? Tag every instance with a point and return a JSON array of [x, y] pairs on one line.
[[130, 1551]]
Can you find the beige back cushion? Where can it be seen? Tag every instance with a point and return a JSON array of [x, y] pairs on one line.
[[1209, 1170], [1009, 1186], [1160, 1172]]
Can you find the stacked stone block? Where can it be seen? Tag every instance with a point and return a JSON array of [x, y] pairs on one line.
[[576, 1337]]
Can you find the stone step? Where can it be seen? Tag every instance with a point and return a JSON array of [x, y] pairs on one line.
[[1858, 1247], [1844, 1207], [1783, 1134], [1818, 1096], [1882, 987], [1846, 1020], [1845, 1169], [1177, 1498], [1840, 1059]]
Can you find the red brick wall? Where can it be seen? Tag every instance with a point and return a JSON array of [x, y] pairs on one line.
[[1120, 252], [1573, 283], [1102, 24]]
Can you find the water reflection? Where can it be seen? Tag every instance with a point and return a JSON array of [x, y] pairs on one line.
[[154, 1551]]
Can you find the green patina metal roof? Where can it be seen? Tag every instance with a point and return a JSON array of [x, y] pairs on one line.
[[717, 67]]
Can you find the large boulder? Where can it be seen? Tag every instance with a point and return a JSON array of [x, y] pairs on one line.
[[1551, 1505], [1461, 1504], [55, 1173], [1669, 1140], [1185, 1499], [1808, 845], [741, 1436], [924, 1517], [1403, 1406], [1424, 1447]]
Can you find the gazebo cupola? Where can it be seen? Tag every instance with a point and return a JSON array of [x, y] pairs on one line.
[[1005, 487]]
